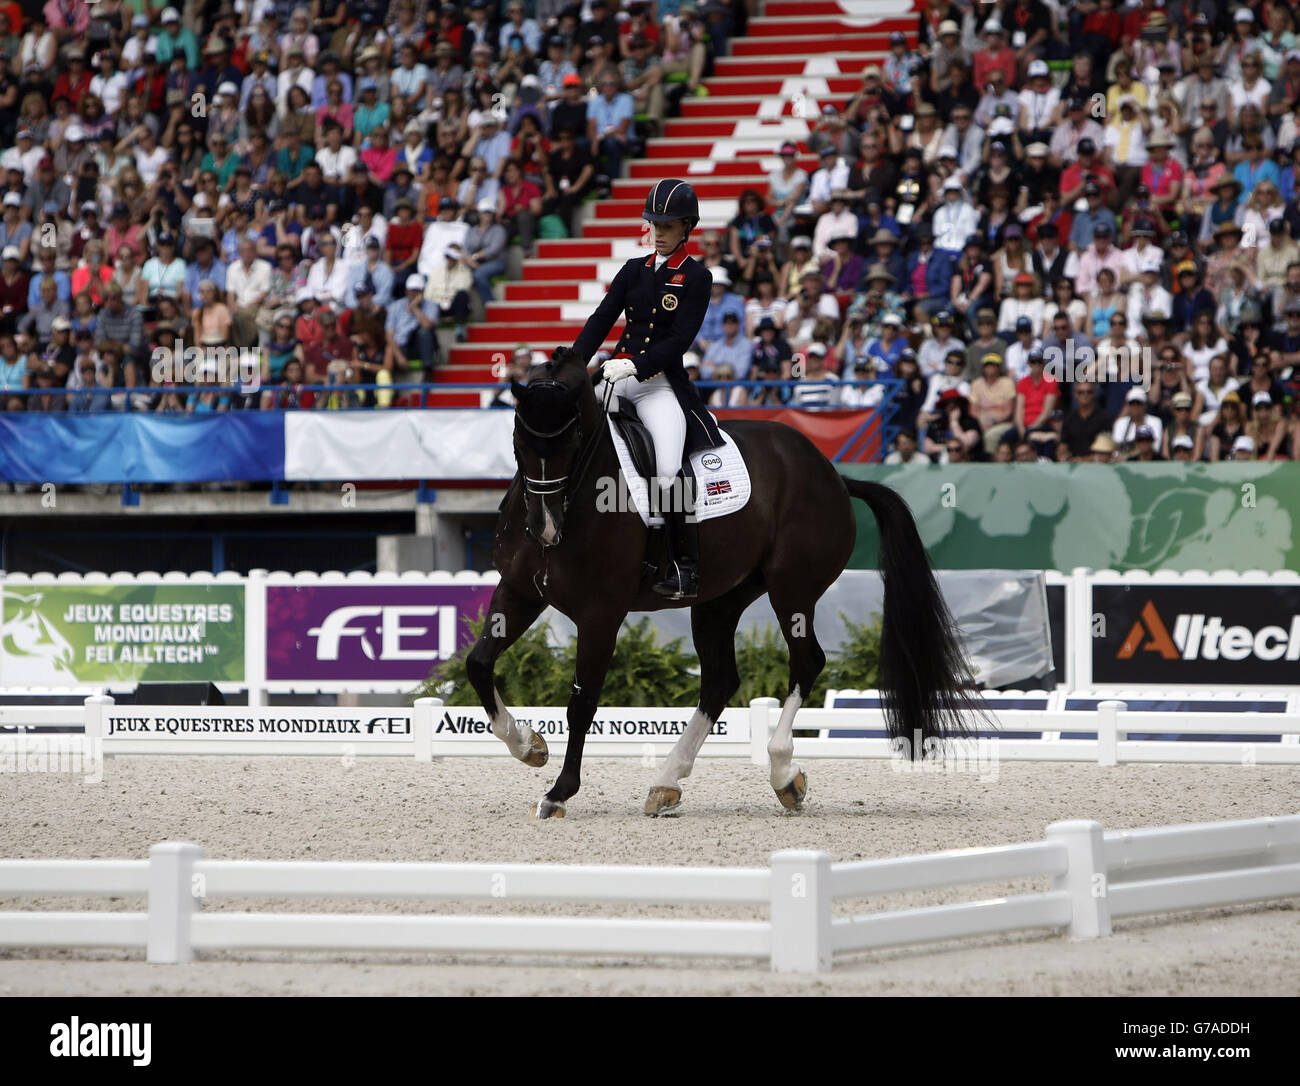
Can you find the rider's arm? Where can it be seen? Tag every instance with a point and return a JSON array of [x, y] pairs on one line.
[[610, 309]]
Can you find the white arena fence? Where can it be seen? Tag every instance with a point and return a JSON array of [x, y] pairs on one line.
[[1096, 877], [1103, 732]]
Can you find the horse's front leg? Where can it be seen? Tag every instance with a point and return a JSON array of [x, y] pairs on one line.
[[595, 649], [509, 615]]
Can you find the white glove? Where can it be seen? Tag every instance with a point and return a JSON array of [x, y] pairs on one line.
[[618, 368]]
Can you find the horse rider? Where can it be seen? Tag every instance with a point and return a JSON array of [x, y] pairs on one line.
[[665, 296]]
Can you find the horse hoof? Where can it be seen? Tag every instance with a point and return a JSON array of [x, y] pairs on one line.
[[792, 795], [549, 808], [662, 801], [537, 755]]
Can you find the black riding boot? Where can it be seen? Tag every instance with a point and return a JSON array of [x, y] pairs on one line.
[[683, 580]]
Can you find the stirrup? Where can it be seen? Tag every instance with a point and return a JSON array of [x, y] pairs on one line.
[[682, 583]]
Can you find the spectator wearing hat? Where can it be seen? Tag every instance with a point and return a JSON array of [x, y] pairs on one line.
[[946, 47], [1182, 426], [1037, 396], [15, 231], [996, 55], [484, 249], [1124, 149], [1025, 304], [935, 349], [1088, 169], [884, 351], [175, 39], [1271, 431], [1255, 167], [837, 220], [956, 219], [1230, 253], [14, 282], [1191, 300], [411, 343], [955, 435], [1022, 340], [879, 298], [722, 300], [1101, 253], [449, 289], [1276, 253], [643, 77], [830, 175], [370, 113], [970, 289], [817, 381], [47, 189], [1134, 418]]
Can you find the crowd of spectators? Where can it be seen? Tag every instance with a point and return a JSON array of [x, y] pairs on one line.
[[316, 186], [1068, 231]]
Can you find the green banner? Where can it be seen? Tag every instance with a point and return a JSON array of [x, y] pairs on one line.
[[1126, 517], [58, 635]]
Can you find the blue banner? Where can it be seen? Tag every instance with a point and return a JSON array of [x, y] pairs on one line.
[[121, 448]]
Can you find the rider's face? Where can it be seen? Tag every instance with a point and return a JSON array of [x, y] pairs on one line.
[[668, 235]]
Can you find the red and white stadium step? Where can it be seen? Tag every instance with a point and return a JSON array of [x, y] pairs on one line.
[[798, 54]]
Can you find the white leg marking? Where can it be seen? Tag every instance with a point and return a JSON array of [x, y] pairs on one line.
[[517, 737], [780, 750], [682, 757]]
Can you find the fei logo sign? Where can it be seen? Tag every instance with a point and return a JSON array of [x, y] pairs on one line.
[[366, 633]]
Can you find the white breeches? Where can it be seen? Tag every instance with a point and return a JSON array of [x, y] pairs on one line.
[[657, 405]]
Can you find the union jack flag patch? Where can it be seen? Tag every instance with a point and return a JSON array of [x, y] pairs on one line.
[[714, 489], [678, 279]]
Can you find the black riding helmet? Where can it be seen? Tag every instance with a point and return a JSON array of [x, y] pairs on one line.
[[672, 199]]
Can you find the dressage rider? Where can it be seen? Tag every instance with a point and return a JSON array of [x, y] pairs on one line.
[[665, 296]]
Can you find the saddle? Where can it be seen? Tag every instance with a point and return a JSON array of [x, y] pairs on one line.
[[637, 438]]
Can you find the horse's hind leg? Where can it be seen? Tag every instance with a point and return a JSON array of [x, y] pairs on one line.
[[806, 662], [509, 615], [713, 626]]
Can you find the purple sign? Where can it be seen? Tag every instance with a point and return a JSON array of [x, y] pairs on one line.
[[366, 633]]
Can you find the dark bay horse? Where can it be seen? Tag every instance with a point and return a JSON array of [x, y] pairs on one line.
[[555, 545]]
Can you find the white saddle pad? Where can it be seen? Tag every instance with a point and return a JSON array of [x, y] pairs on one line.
[[721, 480]]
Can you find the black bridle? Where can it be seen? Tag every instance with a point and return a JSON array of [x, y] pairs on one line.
[[565, 484]]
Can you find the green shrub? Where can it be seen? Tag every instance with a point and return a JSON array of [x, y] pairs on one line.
[[645, 672]]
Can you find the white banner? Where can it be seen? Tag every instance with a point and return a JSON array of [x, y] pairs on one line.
[[465, 723], [430, 444], [242, 724]]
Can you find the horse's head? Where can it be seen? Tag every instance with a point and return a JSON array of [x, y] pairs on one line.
[[548, 436]]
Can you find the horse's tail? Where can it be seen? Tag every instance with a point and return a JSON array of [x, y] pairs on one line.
[[926, 685]]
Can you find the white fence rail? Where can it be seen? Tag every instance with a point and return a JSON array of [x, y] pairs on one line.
[[1091, 877], [430, 730]]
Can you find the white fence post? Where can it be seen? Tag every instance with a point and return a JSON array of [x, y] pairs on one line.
[[1085, 878], [173, 901], [801, 912], [422, 720], [255, 637], [96, 707], [1108, 731], [760, 728]]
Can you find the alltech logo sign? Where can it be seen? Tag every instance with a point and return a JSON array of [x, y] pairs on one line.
[[1208, 634]]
